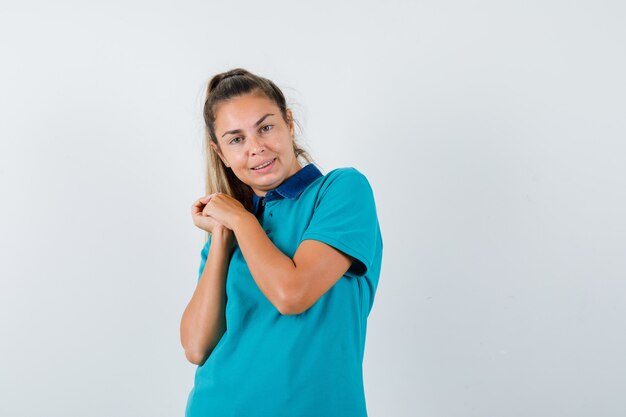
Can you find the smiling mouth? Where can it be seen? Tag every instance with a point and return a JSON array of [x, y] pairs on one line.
[[266, 164]]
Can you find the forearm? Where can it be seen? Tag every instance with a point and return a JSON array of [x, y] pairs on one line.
[[272, 270], [203, 322]]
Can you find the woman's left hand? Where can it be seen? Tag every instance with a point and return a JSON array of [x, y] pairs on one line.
[[224, 209]]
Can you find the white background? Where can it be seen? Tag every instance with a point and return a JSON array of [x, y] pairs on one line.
[[491, 132]]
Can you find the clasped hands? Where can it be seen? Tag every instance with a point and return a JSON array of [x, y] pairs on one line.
[[217, 211]]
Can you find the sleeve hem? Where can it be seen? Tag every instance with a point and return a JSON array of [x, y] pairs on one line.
[[341, 246]]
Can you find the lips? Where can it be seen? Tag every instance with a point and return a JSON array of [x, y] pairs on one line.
[[262, 164]]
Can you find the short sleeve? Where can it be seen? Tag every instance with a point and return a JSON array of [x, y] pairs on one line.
[[204, 254], [345, 218]]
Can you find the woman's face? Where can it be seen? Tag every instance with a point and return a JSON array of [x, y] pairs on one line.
[[251, 132]]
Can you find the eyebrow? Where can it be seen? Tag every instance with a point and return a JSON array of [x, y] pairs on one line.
[[255, 125]]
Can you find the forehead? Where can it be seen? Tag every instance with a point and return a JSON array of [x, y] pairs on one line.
[[242, 112]]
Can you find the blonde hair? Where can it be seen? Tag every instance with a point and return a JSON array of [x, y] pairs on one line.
[[225, 86]]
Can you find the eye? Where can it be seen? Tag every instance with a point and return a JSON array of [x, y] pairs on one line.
[[235, 140], [270, 128]]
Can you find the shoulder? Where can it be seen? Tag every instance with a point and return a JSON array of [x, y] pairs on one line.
[[344, 187], [345, 177], [343, 172]]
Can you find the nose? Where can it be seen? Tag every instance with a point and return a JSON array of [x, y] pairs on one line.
[[255, 145]]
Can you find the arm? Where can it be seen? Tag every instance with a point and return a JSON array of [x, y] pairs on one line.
[[203, 322], [342, 234], [292, 285]]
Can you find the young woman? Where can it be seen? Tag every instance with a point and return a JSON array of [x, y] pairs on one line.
[[288, 273]]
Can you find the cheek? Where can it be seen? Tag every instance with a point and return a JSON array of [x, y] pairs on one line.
[[281, 146], [238, 159]]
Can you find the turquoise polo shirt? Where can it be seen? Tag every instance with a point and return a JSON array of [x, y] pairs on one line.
[[267, 364]]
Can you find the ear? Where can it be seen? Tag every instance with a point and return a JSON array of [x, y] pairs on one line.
[[290, 118], [216, 149]]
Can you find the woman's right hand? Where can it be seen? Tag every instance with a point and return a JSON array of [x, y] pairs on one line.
[[202, 221], [207, 223]]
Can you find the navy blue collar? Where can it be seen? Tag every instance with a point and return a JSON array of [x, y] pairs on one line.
[[291, 188]]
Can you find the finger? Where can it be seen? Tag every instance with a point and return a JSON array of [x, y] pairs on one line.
[[206, 199], [202, 201], [198, 203], [197, 206]]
